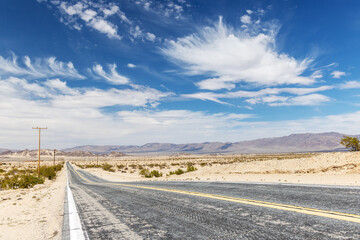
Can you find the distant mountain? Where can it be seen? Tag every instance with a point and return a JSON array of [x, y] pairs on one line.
[[3, 150], [306, 142], [47, 152]]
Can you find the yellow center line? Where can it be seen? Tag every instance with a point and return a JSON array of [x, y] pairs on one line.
[[310, 211]]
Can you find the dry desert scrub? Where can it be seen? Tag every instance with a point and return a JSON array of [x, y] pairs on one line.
[[171, 164], [27, 176], [294, 163]]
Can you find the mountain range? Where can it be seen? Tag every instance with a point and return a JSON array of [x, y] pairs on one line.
[[50, 153], [305, 142]]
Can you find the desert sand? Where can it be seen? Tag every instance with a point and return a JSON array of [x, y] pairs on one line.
[[340, 168], [35, 213]]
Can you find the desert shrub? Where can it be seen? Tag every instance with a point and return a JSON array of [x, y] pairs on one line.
[[107, 167], [2, 170], [140, 167], [133, 166], [10, 182], [22, 181], [146, 173], [80, 166], [92, 166], [155, 173], [49, 172], [27, 181], [203, 164], [177, 172], [191, 168], [120, 166]]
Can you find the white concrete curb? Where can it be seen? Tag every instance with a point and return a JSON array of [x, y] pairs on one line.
[[76, 232]]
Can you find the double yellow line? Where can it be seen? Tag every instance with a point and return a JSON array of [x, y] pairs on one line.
[[304, 210]]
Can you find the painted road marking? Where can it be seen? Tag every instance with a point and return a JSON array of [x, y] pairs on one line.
[[310, 211], [75, 228]]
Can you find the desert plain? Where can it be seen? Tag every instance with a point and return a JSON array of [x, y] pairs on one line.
[[37, 212]]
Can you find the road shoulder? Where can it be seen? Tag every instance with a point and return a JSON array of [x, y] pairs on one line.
[[35, 213]]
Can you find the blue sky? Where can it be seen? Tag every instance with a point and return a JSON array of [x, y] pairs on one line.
[[131, 72]]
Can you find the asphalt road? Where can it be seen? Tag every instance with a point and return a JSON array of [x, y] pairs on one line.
[[213, 210]]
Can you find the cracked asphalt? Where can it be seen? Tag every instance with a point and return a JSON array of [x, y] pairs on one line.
[[125, 212]]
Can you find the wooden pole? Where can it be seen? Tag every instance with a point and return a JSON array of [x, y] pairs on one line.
[[54, 156], [39, 149]]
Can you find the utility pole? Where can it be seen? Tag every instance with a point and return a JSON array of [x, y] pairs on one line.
[[97, 159], [54, 156], [37, 128]]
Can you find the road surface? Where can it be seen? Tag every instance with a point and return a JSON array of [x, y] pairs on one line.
[[212, 210]]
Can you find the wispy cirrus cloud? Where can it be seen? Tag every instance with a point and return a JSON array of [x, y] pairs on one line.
[[56, 93], [306, 100], [228, 56], [269, 96], [38, 68], [112, 76]]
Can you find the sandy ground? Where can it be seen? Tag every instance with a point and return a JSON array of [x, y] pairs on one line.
[[35, 213], [326, 168]]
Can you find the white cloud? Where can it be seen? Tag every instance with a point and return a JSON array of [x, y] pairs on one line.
[[228, 57], [137, 33], [350, 84], [112, 76], [108, 12], [217, 83], [75, 116], [266, 96], [88, 15], [55, 93], [249, 11], [105, 27], [61, 86], [246, 19], [338, 74], [77, 119], [41, 68], [91, 18], [131, 65], [98, 98], [317, 74], [306, 100], [74, 9], [150, 36], [97, 15], [164, 8]]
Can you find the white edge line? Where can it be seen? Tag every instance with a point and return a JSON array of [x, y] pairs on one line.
[[75, 228]]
